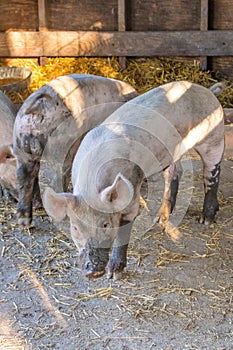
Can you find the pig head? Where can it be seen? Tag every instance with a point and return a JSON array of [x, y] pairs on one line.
[[94, 228]]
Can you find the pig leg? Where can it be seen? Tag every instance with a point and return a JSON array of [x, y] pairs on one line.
[[4, 193], [172, 176], [211, 157], [26, 175], [175, 184], [118, 256], [37, 201]]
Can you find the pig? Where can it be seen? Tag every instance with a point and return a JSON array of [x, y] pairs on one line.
[[145, 136], [7, 158], [83, 98]]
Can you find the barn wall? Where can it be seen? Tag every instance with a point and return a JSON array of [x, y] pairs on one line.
[[18, 15], [163, 15], [181, 17], [221, 18], [82, 15]]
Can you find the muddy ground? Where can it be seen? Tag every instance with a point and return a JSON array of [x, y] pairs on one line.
[[173, 295]]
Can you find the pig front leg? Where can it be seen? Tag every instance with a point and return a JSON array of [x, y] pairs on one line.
[[118, 257], [172, 176], [26, 182]]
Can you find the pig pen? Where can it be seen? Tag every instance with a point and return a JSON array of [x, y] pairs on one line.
[[174, 295]]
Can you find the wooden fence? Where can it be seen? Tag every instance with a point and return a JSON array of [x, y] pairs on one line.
[[132, 28]]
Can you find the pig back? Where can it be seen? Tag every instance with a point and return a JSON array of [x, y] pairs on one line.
[[152, 130], [89, 99]]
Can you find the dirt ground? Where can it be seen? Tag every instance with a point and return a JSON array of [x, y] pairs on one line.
[[173, 295]]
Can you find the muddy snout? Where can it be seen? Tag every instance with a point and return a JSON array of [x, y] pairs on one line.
[[94, 261]]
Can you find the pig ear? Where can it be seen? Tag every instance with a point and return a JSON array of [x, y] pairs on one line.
[[57, 204], [10, 153], [120, 193], [35, 105]]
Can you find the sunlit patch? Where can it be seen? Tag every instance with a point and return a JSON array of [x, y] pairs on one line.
[[9, 339], [198, 133], [68, 89], [177, 91], [44, 297]]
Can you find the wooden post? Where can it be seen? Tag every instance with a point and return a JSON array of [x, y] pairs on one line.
[[204, 27], [42, 24], [121, 28]]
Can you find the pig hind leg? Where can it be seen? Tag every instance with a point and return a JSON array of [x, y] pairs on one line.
[[37, 201], [175, 184], [211, 157], [26, 177], [4, 193]]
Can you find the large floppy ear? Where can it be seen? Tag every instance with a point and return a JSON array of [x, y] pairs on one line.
[[119, 194], [57, 204], [35, 105]]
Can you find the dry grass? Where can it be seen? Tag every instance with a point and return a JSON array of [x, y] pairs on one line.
[[143, 74]]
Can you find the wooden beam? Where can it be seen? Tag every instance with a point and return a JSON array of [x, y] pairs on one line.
[[121, 16], [61, 43], [42, 17], [204, 27], [121, 28]]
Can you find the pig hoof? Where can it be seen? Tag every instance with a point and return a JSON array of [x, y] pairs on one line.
[[24, 220], [110, 274], [161, 220], [205, 221], [115, 275], [37, 204]]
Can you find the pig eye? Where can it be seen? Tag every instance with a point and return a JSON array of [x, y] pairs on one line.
[[106, 225], [9, 156]]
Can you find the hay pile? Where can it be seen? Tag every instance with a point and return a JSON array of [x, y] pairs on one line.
[[143, 74]]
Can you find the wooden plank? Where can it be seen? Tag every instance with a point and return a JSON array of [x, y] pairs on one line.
[[18, 15], [188, 43], [204, 27], [121, 16], [121, 28], [42, 17]]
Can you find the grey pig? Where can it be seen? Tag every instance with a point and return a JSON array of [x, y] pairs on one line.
[[87, 99], [147, 135]]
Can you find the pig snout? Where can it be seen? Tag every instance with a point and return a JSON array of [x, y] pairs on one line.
[[94, 261]]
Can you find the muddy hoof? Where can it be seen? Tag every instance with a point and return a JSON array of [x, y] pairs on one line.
[[24, 220], [115, 275], [37, 204], [206, 221]]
